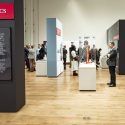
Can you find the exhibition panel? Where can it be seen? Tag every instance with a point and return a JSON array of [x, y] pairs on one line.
[[12, 76], [5, 54], [54, 47], [116, 34]]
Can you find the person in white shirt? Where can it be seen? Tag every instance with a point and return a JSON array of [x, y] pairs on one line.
[[74, 65]]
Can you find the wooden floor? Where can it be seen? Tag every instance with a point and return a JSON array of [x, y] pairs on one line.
[[57, 101]]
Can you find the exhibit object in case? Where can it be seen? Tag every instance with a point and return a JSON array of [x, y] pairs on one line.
[[54, 47], [87, 76], [41, 68]]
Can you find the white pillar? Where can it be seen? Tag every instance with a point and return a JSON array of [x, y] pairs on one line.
[[36, 22], [28, 21]]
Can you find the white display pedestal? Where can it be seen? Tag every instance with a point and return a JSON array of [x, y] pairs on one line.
[[41, 68], [87, 76]]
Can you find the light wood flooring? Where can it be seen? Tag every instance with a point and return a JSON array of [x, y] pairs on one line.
[[57, 101]]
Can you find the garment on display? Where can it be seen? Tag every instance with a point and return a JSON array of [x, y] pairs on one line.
[[85, 45]]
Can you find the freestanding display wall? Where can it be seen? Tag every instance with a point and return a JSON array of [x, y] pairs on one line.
[[116, 33], [54, 47], [12, 77]]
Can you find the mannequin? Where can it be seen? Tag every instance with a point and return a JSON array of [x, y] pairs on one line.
[[80, 52], [86, 52]]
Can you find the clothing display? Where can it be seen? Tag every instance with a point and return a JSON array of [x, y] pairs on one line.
[[85, 52], [80, 53]]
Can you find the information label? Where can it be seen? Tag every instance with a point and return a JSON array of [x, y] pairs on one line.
[[5, 54]]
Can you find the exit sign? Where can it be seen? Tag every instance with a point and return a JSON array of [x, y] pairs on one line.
[[6, 11]]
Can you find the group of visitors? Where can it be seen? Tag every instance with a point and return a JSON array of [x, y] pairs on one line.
[[83, 54], [29, 52], [32, 55]]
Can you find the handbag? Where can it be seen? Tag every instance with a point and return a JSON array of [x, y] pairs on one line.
[[76, 58]]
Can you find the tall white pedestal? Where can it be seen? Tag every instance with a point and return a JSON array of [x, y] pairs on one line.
[[41, 68], [87, 76]]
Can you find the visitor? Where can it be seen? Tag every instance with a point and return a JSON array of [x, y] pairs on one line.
[[74, 61], [64, 57], [31, 57], [111, 62]]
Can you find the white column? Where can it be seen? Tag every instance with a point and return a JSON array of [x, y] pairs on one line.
[[31, 13], [36, 22], [29, 21]]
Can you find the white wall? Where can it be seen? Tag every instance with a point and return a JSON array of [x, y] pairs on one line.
[[82, 17]]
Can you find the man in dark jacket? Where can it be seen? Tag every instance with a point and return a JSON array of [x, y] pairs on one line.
[[64, 57], [70, 50], [42, 52], [26, 52], [111, 61]]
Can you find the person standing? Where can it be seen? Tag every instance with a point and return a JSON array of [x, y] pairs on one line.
[[26, 52], [74, 61], [42, 52], [37, 51], [93, 53], [98, 56], [45, 46], [64, 57], [111, 62], [70, 50], [32, 58]]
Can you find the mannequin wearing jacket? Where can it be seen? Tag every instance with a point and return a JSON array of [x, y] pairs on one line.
[[80, 53], [85, 48], [111, 62]]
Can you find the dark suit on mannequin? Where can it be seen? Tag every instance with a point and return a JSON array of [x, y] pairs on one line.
[[111, 61]]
